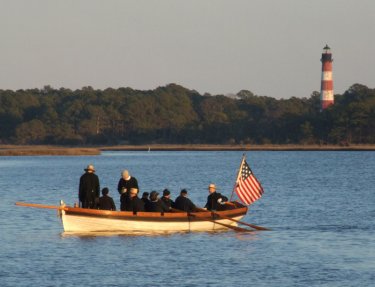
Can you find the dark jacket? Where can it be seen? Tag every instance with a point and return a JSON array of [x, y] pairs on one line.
[[127, 184], [167, 202], [145, 200], [212, 199], [106, 203], [134, 204], [89, 190], [184, 203], [156, 206]]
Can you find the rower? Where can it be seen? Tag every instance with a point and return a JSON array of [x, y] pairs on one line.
[[155, 204], [166, 199], [184, 203], [215, 200], [106, 202]]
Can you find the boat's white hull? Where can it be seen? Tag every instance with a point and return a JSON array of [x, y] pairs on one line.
[[74, 223]]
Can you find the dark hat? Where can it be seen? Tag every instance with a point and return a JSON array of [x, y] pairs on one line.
[[145, 194], [105, 191], [166, 192], [184, 191], [154, 193]]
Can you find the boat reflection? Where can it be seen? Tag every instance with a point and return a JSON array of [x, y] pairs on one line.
[[230, 233]]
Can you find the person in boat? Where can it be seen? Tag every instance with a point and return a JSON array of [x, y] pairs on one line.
[[166, 199], [215, 200], [126, 182], [105, 201], [133, 202], [89, 188], [182, 202], [145, 196], [155, 204]]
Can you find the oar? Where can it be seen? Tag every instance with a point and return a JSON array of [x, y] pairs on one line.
[[235, 220], [40, 205], [235, 228], [244, 223]]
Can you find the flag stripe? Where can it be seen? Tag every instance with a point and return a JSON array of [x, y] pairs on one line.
[[255, 182], [245, 197], [248, 187], [251, 190]]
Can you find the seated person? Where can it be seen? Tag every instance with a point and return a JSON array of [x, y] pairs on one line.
[[155, 204], [133, 202], [184, 203], [145, 197], [106, 202], [166, 198], [215, 201]]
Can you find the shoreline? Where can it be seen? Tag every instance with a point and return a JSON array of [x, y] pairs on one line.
[[268, 147], [42, 150], [45, 150]]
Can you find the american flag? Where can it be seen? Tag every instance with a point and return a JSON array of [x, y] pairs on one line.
[[248, 188]]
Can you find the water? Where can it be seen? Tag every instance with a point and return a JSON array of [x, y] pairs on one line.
[[320, 205]]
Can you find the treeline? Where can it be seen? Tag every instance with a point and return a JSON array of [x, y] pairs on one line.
[[176, 115]]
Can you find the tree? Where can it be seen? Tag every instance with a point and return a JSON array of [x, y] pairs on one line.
[[32, 132]]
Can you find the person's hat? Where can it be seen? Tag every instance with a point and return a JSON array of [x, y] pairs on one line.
[[184, 191], [90, 167], [212, 185], [145, 194], [166, 192], [154, 193]]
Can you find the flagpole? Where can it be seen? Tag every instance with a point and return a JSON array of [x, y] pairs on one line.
[[238, 176]]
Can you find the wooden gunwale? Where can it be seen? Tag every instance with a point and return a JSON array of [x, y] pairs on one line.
[[152, 216]]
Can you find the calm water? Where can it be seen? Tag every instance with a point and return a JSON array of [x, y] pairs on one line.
[[320, 205]]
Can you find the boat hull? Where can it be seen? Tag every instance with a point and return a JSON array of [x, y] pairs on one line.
[[79, 220]]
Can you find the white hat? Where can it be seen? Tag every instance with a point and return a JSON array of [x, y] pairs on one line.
[[90, 167]]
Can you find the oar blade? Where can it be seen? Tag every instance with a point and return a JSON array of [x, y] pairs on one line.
[[238, 221], [235, 228]]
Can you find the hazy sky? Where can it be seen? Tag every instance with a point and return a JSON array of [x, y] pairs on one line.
[[271, 48]]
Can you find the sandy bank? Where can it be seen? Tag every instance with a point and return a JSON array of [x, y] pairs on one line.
[[14, 150]]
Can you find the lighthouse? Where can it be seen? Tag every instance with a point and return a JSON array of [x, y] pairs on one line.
[[326, 91]]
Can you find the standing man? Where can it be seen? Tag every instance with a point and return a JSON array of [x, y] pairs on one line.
[[215, 200], [89, 188], [126, 182]]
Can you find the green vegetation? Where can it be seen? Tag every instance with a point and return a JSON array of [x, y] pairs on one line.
[[176, 115]]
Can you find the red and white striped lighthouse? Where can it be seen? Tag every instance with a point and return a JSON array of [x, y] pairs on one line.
[[326, 91]]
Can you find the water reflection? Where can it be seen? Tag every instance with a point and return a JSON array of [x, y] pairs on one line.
[[228, 233]]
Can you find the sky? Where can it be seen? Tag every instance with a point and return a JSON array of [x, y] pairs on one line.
[[271, 48]]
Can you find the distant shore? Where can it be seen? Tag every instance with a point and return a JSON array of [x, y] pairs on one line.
[[268, 147], [40, 150]]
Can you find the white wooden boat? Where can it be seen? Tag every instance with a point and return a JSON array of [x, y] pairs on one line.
[[82, 220]]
